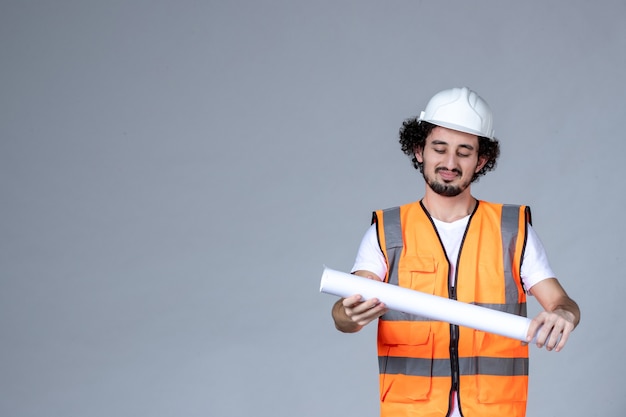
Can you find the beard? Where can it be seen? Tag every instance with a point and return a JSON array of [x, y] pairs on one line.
[[443, 189]]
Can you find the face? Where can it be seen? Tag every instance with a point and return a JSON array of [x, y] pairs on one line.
[[450, 161]]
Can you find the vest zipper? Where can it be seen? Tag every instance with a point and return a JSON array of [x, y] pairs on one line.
[[454, 347], [454, 329]]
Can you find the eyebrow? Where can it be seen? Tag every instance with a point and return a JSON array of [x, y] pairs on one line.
[[441, 142]]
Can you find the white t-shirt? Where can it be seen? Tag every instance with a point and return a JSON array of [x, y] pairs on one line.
[[535, 266]]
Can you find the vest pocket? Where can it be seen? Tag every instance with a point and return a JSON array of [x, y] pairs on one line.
[[499, 379], [405, 361], [418, 273]]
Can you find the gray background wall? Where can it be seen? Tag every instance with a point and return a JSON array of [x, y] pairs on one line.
[[175, 174]]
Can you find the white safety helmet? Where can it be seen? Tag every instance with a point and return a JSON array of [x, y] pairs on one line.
[[460, 109]]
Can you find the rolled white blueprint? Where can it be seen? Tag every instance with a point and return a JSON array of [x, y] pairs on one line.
[[430, 306]]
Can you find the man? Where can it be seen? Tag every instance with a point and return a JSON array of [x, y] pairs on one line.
[[452, 245]]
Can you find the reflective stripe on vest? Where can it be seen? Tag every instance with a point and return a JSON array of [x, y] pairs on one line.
[[441, 367]]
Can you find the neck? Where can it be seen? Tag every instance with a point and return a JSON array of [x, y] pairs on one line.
[[449, 209]]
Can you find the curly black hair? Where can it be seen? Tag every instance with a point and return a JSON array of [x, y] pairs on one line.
[[413, 135]]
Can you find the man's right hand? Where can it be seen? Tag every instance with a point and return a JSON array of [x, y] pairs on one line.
[[352, 313]]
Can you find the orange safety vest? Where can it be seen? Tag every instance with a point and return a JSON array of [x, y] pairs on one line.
[[422, 361]]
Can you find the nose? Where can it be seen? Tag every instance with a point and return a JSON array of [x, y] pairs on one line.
[[451, 160]]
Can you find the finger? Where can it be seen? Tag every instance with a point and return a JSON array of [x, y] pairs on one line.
[[370, 314], [532, 331], [563, 341], [553, 338], [352, 300], [537, 325], [368, 309], [543, 335], [365, 306]]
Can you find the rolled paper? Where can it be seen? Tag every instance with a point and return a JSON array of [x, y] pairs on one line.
[[426, 305]]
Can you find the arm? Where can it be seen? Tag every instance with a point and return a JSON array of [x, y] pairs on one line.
[[351, 314], [559, 319]]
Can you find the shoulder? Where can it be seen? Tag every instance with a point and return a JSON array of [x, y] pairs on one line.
[[402, 206], [501, 207], [395, 211]]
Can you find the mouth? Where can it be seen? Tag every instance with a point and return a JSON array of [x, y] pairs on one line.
[[448, 175]]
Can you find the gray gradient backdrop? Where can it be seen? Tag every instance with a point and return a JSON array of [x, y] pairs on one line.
[[175, 174]]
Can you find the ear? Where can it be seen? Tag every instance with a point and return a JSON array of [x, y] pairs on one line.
[[419, 155], [482, 161]]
